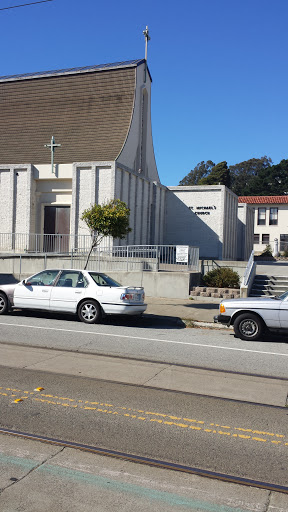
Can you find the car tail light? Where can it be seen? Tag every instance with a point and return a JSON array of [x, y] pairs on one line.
[[126, 296], [222, 308]]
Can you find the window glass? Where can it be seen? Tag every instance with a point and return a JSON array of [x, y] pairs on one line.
[[261, 216], [71, 279], [45, 278], [283, 242], [273, 216], [265, 239], [103, 280], [256, 239]]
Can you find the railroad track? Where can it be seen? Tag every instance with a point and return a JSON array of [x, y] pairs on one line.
[[148, 461]]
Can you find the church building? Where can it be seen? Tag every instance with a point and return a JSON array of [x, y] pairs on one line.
[[71, 138], [75, 137]]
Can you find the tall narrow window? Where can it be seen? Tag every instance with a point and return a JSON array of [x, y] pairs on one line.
[[261, 216], [256, 238], [273, 216], [265, 239]]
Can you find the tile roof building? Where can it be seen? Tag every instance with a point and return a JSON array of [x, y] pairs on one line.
[[270, 220]]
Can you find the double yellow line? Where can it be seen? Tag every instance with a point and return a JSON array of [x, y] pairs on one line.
[[163, 419]]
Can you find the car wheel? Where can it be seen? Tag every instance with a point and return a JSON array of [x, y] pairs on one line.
[[3, 304], [248, 327], [89, 312]]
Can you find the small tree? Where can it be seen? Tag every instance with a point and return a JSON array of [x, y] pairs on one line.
[[110, 219]]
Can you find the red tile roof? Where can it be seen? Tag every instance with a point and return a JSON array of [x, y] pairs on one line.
[[263, 199]]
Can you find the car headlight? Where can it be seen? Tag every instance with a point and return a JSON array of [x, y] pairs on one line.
[[222, 308]]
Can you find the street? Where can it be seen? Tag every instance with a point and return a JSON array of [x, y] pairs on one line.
[[239, 438], [141, 339]]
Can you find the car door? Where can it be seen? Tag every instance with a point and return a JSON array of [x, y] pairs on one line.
[[284, 314], [68, 291], [34, 292]]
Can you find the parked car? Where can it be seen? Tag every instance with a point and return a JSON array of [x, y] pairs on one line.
[[253, 316], [85, 293]]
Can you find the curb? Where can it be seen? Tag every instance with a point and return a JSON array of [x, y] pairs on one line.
[[209, 325]]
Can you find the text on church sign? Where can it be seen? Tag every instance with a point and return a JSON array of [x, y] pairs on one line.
[[202, 210]]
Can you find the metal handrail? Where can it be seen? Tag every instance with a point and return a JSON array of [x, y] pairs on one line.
[[248, 269]]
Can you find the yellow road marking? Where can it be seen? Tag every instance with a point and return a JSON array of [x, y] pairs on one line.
[[157, 417]]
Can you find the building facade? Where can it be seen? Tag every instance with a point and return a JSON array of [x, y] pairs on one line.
[[203, 216], [270, 220], [101, 120], [72, 138]]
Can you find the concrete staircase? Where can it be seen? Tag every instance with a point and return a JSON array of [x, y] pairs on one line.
[[264, 285]]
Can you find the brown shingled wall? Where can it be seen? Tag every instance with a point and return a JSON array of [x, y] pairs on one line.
[[88, 113]]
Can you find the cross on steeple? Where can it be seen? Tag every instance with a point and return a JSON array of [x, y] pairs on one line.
[[52, 145], [147, 38]]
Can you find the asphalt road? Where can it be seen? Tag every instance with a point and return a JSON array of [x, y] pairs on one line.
[[205, 348], [242, 440]]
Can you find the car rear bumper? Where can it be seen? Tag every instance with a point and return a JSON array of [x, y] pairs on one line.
[[124, 309], [222, 319]]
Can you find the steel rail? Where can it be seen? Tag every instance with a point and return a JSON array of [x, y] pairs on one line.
[[148, 461]]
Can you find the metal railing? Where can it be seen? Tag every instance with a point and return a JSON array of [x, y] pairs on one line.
[[40, 243], [105, 258], [248, 269], [248, 277]]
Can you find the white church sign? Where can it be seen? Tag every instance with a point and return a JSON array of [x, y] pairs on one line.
[[182, 253]]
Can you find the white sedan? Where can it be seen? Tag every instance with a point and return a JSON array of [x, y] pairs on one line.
[[85, 293]]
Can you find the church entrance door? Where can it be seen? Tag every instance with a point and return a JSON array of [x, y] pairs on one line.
[[56, 228]]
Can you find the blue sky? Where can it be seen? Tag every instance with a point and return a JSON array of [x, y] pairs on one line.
[[219, 68]]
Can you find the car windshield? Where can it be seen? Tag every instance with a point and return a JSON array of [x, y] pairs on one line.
[[103, 280], [283, 296]]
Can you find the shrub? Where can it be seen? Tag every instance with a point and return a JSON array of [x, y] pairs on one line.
[[267, 251], [222, 277]]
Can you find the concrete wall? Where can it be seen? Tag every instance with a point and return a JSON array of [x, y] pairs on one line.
[[146, 201], [137, 153], [15, 198], [202, 216], [156, 284], [245, 231], [92, 183]]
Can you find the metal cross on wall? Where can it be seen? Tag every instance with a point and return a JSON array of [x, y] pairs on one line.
[[52, 145]]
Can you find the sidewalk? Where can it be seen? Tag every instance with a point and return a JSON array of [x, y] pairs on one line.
[[200, 310]]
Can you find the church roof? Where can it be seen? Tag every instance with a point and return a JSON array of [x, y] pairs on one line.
[[69, 71], [88, 110], [263, 199]]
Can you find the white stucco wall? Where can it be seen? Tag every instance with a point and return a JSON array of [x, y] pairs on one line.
[[245, 231], [202, 216], [274, 231]]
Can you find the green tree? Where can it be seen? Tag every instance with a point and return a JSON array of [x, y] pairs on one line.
[[201, 170], [271, 181], [110, 219], [243, 175], [219, 175]]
